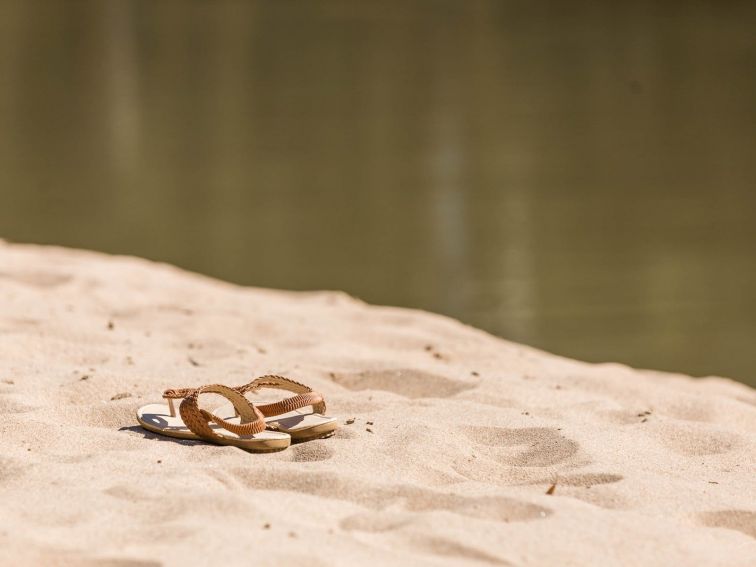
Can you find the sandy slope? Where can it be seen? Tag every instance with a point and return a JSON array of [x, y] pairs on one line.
[[468, 433]]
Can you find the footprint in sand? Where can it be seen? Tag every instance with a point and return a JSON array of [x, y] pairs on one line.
[[533, 446], [375, 522], [309, 452], [38, 279], [592, 488], [497, 508], [696, 440], [739, 520], [379, 497], [383, 522], [10, 469], [405, 382], [64, 556], [689, 408], [125, 492], [448, 548], [585, 480], [10, 404]]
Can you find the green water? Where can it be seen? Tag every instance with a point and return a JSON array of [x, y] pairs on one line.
[[576, 176]]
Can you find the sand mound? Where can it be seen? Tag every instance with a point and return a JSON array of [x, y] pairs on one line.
[[467, 434]]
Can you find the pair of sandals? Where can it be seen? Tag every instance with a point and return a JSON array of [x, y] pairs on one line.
[[256, 428]]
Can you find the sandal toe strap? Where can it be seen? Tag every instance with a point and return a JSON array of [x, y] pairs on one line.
[[198, 420]]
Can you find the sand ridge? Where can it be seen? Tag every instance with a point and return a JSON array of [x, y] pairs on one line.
[[456, 439]]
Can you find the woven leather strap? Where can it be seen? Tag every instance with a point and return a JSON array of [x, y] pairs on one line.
[[198, 420], [176, 394], [286, 405], [304, 395]]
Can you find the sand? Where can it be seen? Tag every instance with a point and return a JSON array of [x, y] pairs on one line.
[[457, 437]]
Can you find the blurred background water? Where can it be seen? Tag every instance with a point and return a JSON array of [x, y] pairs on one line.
[[577, 176]]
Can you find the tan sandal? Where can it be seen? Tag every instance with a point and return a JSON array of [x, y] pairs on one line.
[[290, 415], [247, 430]]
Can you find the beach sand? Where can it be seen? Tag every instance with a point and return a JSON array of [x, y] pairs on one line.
[[457, 437]]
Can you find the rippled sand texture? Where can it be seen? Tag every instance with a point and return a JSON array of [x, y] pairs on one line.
[[456, 440]]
